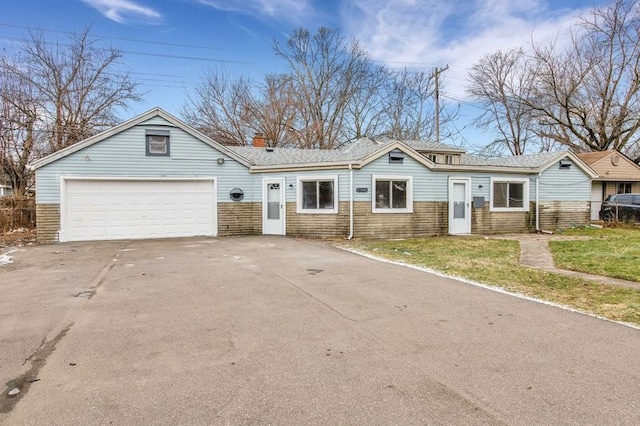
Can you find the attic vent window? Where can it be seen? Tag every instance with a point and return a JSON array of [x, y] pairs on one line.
[[396, 156], [565, 164], [157, 143]]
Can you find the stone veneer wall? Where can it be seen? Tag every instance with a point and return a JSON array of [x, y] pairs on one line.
[[484, 221], [563, 214], [553, 215], [428, 218], [239, 219], [47, 223]]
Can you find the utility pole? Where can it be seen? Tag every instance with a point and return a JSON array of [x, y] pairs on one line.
[[436, 75]]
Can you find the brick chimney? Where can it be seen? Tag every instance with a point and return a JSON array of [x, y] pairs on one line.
[[258, 140]]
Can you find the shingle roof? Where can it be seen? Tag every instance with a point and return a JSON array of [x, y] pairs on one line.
[[289, 156], [592, 157], [353, 151], [362, 148], [532, 161]]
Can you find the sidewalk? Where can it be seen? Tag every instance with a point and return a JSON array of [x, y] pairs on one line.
[[535, 253]]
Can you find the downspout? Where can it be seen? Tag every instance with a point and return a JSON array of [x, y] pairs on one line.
[[538, 203], [350, 202]]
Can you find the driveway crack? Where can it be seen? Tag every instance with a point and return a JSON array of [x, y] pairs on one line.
[[18, 387], [322, 302]]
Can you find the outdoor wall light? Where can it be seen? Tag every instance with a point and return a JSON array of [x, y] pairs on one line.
[[220, 160], [236, 194]]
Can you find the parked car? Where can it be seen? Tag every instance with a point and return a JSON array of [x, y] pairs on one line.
[[621, 207]]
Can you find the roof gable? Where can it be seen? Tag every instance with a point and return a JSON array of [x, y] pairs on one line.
[[146, 117], [612, 165]]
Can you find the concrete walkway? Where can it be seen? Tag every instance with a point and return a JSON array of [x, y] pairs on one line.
[[535, 253]]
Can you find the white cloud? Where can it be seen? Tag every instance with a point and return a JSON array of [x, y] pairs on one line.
[[430, 33], [295, 11], [122, 11]]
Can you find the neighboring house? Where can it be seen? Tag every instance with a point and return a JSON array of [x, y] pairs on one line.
[[5, 190], [154, 176], [5, 186], [617, 174]]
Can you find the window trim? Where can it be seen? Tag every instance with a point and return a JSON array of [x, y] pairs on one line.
[[155, 132], [624, 186], [525, 194], [408, 179], [336, 190]]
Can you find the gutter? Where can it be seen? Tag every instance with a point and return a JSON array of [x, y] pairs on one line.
[[350, 202]]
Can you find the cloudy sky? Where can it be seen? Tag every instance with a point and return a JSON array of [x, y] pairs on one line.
[[169, 44]]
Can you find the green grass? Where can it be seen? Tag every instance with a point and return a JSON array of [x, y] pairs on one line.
[[611, 252], [496, 262]]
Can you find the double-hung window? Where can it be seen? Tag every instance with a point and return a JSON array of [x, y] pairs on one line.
[[510, 194], [317, 194], [392, 194]]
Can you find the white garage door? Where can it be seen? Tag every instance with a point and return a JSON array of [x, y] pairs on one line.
[[132, 209]]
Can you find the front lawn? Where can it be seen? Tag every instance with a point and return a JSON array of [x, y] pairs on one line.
[[612, 252], [496, 262]]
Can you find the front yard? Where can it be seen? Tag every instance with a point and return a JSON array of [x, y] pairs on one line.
[[612, 252]]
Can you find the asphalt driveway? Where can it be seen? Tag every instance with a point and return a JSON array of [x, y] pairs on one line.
[[269, 330]]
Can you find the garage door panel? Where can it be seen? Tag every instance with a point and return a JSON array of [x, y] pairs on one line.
[[120, 209]]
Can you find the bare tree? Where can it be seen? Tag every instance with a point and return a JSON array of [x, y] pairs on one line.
[[230, 111], [274, 112], [330, 94], [18, 131], [218, 108], [408, 107], [587, 96], [326, 72], [54, 95], [498, 82]]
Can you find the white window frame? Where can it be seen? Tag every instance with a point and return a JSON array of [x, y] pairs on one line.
[[408, 179], [299, 203], [525, 194]]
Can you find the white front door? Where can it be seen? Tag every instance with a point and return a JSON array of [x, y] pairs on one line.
[[273, 203], [459, 206]]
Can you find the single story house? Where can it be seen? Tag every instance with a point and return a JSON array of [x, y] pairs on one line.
[[617, 174], [154, 176]]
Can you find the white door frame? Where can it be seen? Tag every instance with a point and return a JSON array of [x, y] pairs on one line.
[[272, 227], [466, 227]]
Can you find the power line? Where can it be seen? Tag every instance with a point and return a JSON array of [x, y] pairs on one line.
[[160, 43]]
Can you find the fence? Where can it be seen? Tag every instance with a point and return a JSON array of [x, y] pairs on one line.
[[17, 213]]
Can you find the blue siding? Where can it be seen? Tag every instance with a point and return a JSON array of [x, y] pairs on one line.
[[570, 184], [427, 185], [291, 182], [124, 155]]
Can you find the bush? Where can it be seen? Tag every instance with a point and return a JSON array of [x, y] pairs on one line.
[[17, 213]]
